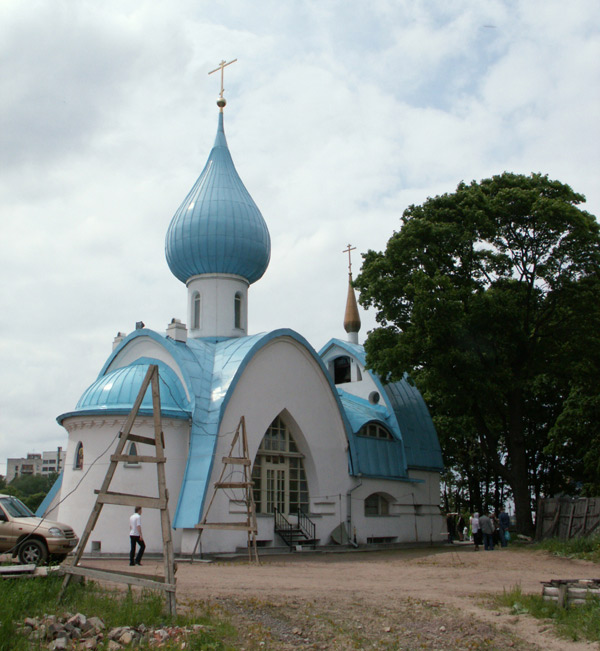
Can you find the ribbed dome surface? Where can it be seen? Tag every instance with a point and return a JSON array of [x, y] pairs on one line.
[[118, 390], [218, 228]]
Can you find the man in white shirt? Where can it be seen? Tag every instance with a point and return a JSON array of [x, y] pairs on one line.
[[136, 537]]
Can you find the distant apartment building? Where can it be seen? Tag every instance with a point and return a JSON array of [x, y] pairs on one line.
[[35, 464]]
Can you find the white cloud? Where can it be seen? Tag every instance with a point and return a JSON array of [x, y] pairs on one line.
[[340, 115]]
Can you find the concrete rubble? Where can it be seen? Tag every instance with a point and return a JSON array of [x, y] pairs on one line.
[[78, 632]]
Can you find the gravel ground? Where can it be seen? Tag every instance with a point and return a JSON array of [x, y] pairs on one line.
[[398, 599]]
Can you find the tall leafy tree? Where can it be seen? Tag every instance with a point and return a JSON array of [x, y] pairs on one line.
[[484, 297], [31, 489]]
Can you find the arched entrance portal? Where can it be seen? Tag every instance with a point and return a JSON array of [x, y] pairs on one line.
[[278, 474]]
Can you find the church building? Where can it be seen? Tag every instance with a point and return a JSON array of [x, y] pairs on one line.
[[332, 447]]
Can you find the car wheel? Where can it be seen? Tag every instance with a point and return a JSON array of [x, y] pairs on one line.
[[33, 551]]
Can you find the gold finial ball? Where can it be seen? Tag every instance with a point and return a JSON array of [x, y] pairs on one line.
[[221, 102]]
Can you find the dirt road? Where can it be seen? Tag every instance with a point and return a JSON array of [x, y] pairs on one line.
[[397, 599]]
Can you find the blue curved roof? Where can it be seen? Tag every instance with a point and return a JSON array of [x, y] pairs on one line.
[[218, 228], [374, 457], [211, 369], [115, 392], [421, 442], [413, 421]]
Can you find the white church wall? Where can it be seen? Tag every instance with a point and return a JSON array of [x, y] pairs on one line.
[[431, 524], [283, 378], [361, 384], [414, 514], [98, 436], [217, 300]]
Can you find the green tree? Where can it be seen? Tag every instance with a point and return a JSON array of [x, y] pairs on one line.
[[575, 436], [485, 298], [31, 489]]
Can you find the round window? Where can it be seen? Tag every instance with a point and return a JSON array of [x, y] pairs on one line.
[[374, 397]]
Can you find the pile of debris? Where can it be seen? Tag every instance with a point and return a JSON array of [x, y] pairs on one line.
[[78, 632]]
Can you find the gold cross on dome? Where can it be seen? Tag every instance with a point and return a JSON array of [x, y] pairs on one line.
[[221, 67], [349, 252]]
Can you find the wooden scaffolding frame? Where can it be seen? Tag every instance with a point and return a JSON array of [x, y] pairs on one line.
[[167, 584], [239, 439]]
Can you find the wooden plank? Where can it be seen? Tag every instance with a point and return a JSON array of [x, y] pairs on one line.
[[224, 525], [571, 520], [123, 499], [161, 502], [6, 570], [240, 461], [129, 579], [135, 438], [554, 524], [159, 578], [112, 466], [169, 558], [585, 517], [562, 595], [234, 458], [135, 458], [137, 404]]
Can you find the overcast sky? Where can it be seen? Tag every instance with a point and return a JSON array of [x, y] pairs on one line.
[[340, 114]]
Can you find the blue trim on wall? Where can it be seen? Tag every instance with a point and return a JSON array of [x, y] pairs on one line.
[[41, 509]]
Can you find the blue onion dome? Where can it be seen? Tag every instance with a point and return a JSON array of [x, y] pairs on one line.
[[117, 391], [218, 228]]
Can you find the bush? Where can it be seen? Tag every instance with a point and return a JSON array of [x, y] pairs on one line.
[[587, 548]]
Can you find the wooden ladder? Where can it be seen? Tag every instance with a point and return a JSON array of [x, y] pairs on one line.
[[249, 524], [161, 502]]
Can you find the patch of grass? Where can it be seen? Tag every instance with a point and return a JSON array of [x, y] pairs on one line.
[[575, 623], [20, 598], [586, 548]]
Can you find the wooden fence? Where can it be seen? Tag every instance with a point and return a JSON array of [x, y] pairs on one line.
[[567, 517]]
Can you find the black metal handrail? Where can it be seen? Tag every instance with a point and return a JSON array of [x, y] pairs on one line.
[[307, 526], [283, 526], [288, 532]]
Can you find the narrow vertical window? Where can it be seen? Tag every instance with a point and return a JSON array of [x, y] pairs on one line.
[[78, 461], [133, 453], [196, 311], [237, 310]]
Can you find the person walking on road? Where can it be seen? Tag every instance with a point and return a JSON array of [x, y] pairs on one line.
[[136, 537], [476, 531], [503, 525], [487, 528]]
